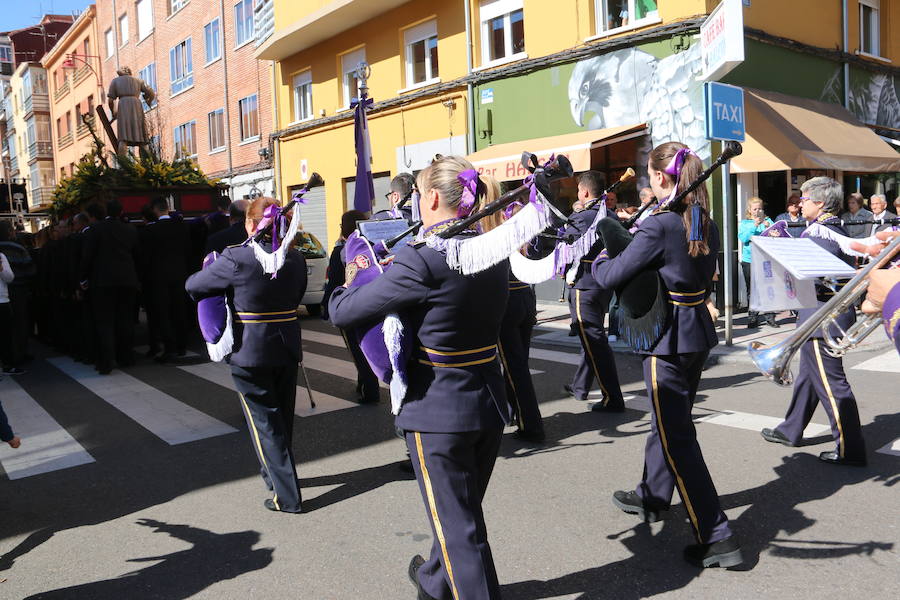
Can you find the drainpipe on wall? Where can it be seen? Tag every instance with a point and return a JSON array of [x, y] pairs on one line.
[[227, 103], [115, 30], [470, 89], [846, 27], [276, 158]]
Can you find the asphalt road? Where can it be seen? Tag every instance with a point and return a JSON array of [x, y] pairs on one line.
[[150, 489]]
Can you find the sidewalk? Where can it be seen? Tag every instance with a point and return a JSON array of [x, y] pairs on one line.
[[556, 333]]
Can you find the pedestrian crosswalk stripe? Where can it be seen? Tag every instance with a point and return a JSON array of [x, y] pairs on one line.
[[889, 362], [892, 448], [566, 358], [172, 421], [219, 374], [46, 446], [332, 366]]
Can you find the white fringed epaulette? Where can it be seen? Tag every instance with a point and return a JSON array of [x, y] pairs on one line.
[[821, 231], [531, 271], [272, 261], [472, 255], [392, 328]]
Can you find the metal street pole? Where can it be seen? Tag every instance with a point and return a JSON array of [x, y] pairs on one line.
[[729, 247]]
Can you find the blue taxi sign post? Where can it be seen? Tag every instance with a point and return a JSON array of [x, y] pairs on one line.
[[725, 120]]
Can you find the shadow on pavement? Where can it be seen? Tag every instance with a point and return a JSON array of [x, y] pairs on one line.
[[213, 557], [352, 483], [656, 566]]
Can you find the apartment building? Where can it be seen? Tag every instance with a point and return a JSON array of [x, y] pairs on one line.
[[31, 131], [213, 97], [76, 88]]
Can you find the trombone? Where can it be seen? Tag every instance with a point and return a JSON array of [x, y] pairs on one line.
[[774, 361]]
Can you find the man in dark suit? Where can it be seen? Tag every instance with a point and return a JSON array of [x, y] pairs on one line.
[[878, 203], [81, 330], [164, 253], [235, 234], [108, 273]]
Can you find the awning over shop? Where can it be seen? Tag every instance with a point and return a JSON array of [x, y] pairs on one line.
[[786, 132], [503, 161]]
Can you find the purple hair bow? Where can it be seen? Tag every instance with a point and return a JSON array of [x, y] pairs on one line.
[[469, 181], [272, 215], [674, 169]]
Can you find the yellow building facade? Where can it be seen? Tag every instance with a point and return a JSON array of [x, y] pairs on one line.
[[422, 107], [76, 89]]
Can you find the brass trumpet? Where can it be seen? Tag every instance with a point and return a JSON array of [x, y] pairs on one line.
[[774, 361]]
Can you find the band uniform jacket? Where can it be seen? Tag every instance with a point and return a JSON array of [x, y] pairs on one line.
[[578, 225], [823, 293], [661, 244], [385, 215], [455, 384], [110, 255], [165, 251], [264, 309]]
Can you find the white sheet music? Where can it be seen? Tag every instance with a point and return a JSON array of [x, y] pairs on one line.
[[803, 258]]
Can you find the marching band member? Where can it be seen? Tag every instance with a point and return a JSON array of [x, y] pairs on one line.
[[588, 304], [682, 242], [402, 187], [455, 407], [821, 377], [515, 339], [266, 350]]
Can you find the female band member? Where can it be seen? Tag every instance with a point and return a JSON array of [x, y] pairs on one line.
[[681, 242], [266, 350], [455, 406]]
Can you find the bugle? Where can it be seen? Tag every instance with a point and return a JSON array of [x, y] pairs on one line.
[[774, 361]]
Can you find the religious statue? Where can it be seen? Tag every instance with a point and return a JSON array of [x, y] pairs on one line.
[[131, 128]]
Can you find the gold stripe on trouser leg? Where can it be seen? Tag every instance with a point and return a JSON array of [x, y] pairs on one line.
[[665, 444], [259, 448], [512, 385], [432, 506], [834, 408], [587, 349]]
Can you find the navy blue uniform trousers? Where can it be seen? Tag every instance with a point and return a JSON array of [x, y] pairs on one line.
[[672, 455], [588, 308], [268, 396], [453, 471], [821, 379], [515, 342]]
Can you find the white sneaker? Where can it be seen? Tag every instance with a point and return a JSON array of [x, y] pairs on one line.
[[613, 338]]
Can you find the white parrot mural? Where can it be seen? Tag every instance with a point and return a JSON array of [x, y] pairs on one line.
[[632, 86]]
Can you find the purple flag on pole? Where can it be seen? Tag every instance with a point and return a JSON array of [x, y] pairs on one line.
[[365, 187]]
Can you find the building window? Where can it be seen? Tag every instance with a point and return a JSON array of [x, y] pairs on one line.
[[421, 53], [869, 27], [185, 140], [86, 49], [350, 84], [211, 37], [624, 14], [248, 108], [243, 22], [148, 76], [110, 42], [6, 54], [502, 30], [90, 109], [59, 129], [176, 5], [68, 121], [181, 67], [123, 29], [302, 86], [144, 10], [216, 120]]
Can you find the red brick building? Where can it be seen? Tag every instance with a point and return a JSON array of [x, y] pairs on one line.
[[214, 99]]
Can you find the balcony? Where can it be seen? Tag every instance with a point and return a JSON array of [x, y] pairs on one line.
[[40, 151], [61, 90], [66, 140], [36, 103], [40, 198], [81, 74], [81, 131]]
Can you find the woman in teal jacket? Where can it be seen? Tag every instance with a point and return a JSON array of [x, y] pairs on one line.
[[754, 223]]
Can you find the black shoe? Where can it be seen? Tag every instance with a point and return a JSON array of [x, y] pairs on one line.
[[835, 458], [571, 391], [607, 407], [753, 324], [724, 553], [535, 437], [270, 504], [633, 504], [104, 370], [414, 565], [13, 371], [772, 323], [165, 357], [151, 352], [776, 437]]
